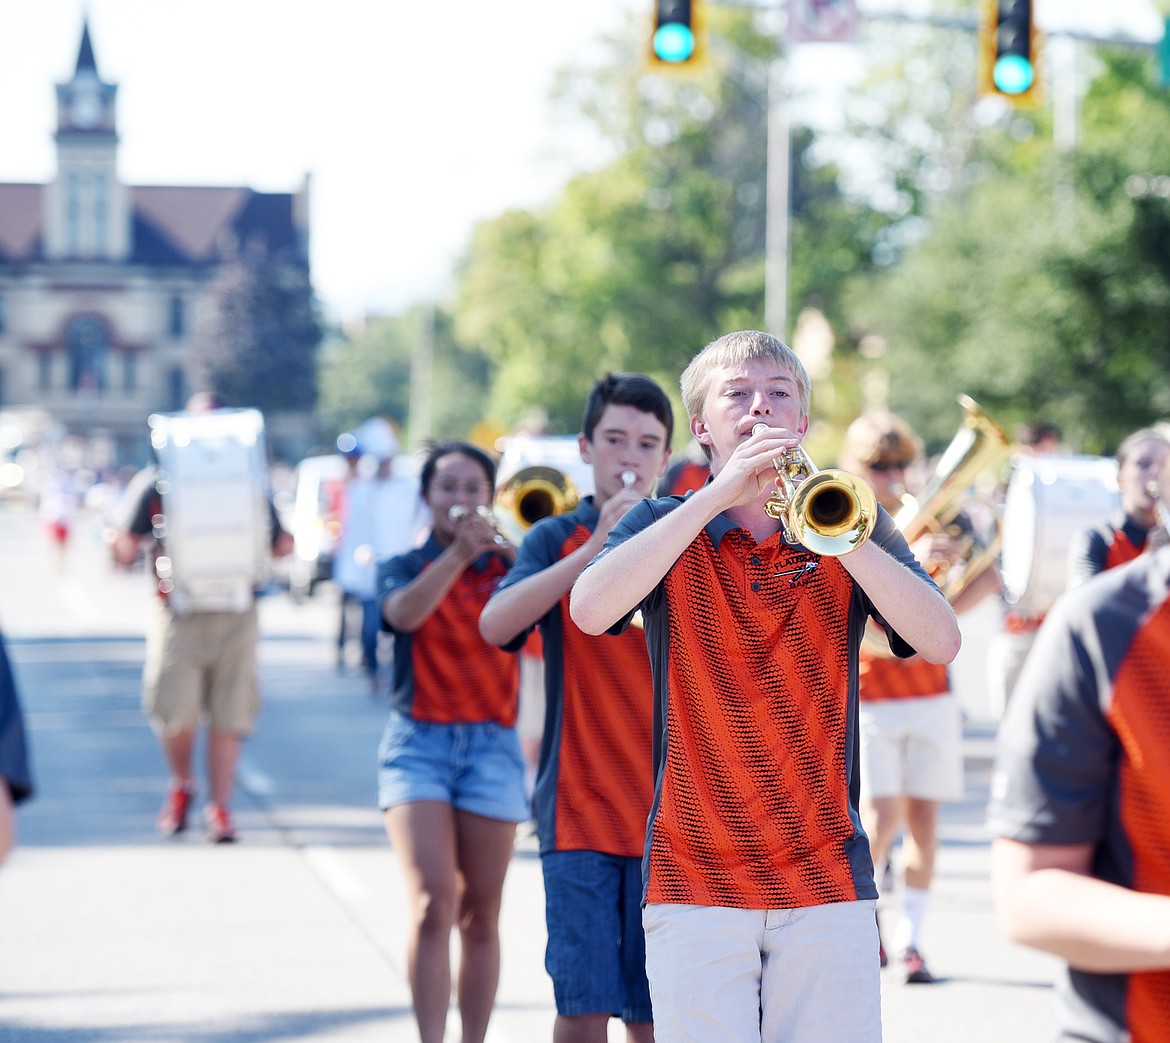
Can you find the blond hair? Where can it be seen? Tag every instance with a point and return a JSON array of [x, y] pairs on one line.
[[732, 349]]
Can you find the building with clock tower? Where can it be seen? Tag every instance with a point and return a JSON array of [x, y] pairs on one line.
[[102, 283]]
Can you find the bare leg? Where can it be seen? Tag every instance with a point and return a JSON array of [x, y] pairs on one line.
[[7, 820], [882, 818], [484, 851], [423, 834], [581, 1028], [921, 842], [223, 751], [179, 748]]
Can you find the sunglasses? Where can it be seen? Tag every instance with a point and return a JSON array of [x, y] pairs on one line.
[[882, 466]]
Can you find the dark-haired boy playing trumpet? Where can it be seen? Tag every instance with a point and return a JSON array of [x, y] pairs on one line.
[[758, 885], [593, 781]]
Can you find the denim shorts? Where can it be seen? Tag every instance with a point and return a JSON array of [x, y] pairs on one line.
[[596, 953], [473, 767]]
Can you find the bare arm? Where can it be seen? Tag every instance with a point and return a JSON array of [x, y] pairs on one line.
[[911, 606], [124, 548], [616, 583], [1045, 898], [412, 605], [514, 610]]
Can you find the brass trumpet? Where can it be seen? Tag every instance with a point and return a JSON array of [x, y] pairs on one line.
[[458, 512], [830, 512]]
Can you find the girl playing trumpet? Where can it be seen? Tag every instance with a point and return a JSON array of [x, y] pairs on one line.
[[451, 777]]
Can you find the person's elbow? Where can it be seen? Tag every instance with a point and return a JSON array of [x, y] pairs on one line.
[[494, 627], [944, 641], [587, 611]]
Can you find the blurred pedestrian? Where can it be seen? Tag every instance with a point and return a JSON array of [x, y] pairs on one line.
[[451, 776], [57, 508], [200, 662], [910, 722], [1139, 525], [758, 887], [594, 782], [380, 516], [16, 784], [1080, 799]]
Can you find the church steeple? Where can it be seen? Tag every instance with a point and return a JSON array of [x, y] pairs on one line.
[[88, 213], [85, 58]]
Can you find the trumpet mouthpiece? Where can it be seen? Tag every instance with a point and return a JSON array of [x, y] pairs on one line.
[[758, 428], [628, 479], [457, 513]]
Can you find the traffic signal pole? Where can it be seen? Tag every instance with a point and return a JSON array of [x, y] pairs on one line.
[[777, 202]]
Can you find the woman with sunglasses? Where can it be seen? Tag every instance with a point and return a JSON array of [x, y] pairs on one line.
[[910, 723]]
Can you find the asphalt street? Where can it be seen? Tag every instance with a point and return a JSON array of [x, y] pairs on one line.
[[111, 934]]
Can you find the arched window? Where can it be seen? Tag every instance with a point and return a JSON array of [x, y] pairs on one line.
[[87, 344]]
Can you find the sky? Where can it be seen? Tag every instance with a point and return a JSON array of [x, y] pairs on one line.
[[414, 120]]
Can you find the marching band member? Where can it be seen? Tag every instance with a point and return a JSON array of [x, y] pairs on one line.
[[1139, 527], [758, 887], [594, 780], [451, 777]]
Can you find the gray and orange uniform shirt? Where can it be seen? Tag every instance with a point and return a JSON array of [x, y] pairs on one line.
[[444, 672], [753, 649], [595, 779], [1082, 760], [1105, 547]]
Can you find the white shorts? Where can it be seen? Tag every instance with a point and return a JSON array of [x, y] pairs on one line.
[[749, 975], [912, 747]]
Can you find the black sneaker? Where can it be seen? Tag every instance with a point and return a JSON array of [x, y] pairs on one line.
[[915, 967]]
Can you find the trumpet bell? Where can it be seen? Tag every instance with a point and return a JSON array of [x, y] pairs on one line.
[[832, 513], [531, 494]]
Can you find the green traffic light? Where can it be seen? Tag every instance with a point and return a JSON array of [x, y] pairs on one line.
[[674, 43], [1013, 74]]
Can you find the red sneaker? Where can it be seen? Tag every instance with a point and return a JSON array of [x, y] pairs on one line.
[[218, 824], [173, 817]]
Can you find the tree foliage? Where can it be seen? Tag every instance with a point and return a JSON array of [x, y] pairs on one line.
[[1043, 286], [258, 344], [638, 264]]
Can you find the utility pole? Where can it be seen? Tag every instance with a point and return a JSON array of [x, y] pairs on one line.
[[779, 204]]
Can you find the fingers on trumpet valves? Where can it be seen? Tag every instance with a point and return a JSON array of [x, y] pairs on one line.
[[459, 511]]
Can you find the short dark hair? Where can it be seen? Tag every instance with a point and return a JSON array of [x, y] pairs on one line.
[[627, 389], [437, 450]]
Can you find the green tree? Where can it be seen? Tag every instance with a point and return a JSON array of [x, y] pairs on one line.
[[640, 263], [258, 346], [1041, 286], [369, 374]]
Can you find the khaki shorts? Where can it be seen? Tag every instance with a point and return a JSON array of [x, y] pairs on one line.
[[912, 747], [201, 667], [778, 975]]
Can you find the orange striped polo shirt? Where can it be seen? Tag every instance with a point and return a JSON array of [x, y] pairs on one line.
[[1081, 759], [753, 648], [595, 777], [444, 672]]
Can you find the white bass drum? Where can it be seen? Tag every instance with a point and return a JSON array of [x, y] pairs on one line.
[[1049, 500]]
